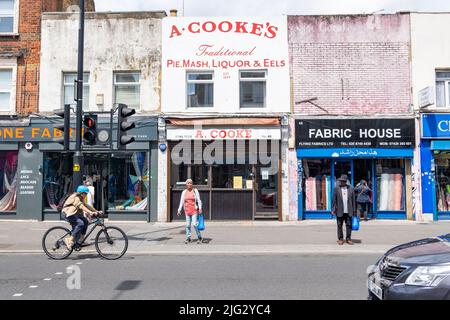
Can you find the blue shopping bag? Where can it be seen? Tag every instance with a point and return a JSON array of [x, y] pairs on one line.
[[201, 222], [355, 223]]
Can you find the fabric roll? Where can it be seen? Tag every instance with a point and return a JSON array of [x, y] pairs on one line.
[[308, 195], [313, 195], [398, 190], [384, 192], [324, 193], [391, 193], [328, 193]]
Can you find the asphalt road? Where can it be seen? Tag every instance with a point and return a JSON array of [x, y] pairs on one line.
[[211, 277]]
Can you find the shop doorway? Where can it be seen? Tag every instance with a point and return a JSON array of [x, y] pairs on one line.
[[266, 193], [96, 168], [343, 167], [362, 170]]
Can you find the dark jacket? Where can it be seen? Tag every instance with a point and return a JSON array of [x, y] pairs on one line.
[[337, 205], [363, 194]]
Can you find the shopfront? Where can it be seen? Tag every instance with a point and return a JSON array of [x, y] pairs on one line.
[[233, 165], [435, 165], [378, 151], [37, 174]]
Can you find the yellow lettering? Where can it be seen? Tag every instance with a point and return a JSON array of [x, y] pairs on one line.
[[8, 132], [46, 133], [57, 133], [19, 133], [35, 132]]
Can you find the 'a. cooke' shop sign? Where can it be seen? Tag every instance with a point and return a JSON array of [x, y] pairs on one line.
[[224, 134], [436, 126]]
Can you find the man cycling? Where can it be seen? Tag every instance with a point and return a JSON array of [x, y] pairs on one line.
[[74, 209]]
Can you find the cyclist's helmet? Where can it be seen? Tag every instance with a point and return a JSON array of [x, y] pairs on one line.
[[82, 189]]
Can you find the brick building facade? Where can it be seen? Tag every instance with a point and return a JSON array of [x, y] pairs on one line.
[[20, 36]]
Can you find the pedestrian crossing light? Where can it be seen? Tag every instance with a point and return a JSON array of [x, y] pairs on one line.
[[123, 126], [90, 129], [64, 139]]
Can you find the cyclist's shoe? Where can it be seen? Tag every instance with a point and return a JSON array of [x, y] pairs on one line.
[[69, 242], [81, 239]]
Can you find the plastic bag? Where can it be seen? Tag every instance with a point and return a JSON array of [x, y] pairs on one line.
[[355, 223], [201, 222]]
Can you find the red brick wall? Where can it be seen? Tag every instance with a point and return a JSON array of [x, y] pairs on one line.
[[354, 65]]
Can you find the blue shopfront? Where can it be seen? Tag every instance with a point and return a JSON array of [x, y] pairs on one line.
[[435, 165], [378, 151]]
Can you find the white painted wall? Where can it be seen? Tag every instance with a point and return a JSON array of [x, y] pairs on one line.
[[113, 42], [185, 46], [430, 50]]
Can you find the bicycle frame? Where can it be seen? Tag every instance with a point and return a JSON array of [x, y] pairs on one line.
[[97, 222]]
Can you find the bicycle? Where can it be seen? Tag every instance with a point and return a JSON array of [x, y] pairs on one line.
[[111, 243]]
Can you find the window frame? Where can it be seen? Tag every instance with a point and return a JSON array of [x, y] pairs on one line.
[[15, 16], [188, 72], [138, 84], [72, 85], [12, 91], [446, 81], [264, 80]]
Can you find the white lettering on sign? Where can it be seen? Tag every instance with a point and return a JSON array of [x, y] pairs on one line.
[[380, 133], [444, 125], [330, 133]]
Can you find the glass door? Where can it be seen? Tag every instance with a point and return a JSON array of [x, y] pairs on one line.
[[266, 192], [343, 167]]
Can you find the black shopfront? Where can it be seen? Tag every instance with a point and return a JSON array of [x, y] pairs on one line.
[[39, 172]]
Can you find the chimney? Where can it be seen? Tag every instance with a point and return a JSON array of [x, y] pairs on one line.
[[173, 12]]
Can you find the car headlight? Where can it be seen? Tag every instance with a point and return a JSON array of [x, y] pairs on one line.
[[428, 276]]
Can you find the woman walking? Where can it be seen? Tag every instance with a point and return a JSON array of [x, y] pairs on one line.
[[192, 205], [363, 198]]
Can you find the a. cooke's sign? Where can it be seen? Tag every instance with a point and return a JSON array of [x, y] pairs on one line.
[[355, 133]]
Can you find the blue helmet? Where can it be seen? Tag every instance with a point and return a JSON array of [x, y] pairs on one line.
[[82, 189]]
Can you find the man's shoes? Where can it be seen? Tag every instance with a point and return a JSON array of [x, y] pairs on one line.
[[199, 240], [69, 242], [350, 242], [340, 242], [188, 240]]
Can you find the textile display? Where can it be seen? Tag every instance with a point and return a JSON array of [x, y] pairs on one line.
[[318, 193], [8, 163], [391, 193]]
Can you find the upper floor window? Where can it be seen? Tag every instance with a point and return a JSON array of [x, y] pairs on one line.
[[127, 89], [200, 89], [252, 87], [6, 89], [442, 89], [69, 89], [7, 16]]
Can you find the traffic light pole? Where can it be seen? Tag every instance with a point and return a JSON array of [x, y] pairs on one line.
[[78, 157]]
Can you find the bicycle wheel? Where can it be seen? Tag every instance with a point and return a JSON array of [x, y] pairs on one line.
[[53, 243], [111, 243]]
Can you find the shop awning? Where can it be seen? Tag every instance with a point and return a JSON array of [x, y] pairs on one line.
[[355, 153], [440, 145]]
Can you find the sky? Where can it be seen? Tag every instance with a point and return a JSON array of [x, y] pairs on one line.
[[273, 7]]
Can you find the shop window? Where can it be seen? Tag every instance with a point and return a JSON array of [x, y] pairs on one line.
[[57, 172], [200, 90], [127, 89], [232, 176], [5, 89], [391, 190], [252, 89], [69, 89], [442, 89], [8, 181], [128, 181], [442, 164], [7, 16], [317, 184]]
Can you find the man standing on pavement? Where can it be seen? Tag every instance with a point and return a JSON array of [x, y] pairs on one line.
[[344, 207]]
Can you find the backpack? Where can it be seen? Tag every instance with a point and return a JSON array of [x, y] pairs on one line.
[[63, 200]]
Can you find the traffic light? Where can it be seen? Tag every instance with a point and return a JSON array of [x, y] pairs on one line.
[[64, 139], [90, 129], [123, 126]]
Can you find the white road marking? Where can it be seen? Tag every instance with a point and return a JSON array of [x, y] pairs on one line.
[[79, 263], [33, 287], [18, 295], [47, 279], [58, 273]]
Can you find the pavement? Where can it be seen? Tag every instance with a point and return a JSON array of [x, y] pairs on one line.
[[259, 237]]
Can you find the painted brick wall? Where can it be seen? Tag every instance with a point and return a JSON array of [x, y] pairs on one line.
[[354, 65]]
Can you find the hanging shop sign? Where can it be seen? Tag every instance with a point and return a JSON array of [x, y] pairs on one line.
[[435, 126], [224, 134], [355, 133]]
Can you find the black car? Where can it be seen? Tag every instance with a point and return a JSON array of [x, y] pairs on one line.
[[415, 270]]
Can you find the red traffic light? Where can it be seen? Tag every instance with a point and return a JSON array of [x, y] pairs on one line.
[[89, 122]]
